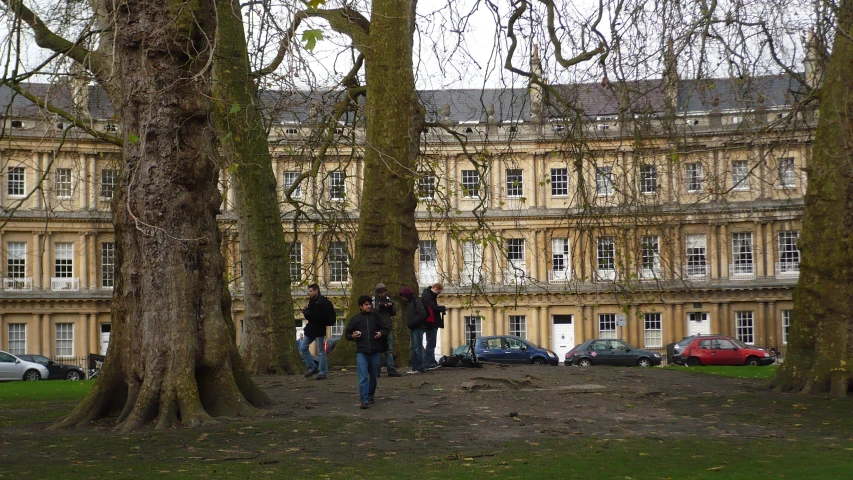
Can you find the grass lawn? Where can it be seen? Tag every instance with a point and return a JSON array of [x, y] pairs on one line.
[[740, 371], [22, 403]]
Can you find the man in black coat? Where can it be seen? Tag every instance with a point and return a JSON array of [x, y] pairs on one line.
[[430, 299], [370, 335], [320, 313]]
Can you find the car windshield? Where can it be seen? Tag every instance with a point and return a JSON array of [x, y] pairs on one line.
[[686, 341], [740, 344]]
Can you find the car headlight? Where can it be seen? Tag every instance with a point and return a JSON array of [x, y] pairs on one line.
[[766, 354], [657, 355]]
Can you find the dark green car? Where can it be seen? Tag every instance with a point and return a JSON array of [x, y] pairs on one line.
[[605, 351]]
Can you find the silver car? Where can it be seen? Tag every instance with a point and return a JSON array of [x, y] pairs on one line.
[[13, 368]]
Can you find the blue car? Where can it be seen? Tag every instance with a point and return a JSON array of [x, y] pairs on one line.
[[512, 349]]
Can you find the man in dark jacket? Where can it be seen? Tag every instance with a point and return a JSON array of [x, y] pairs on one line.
[[370, 335], [430, 299], [415, 319], [384, 306], [320, 313]]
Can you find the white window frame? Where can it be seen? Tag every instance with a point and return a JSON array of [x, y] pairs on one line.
[[109, 179], [603, 181], [288, 178], [16, 181], [17, 335], [743, 254], [789, 253], [696, 255], [607, 326], [296, 262], [63, 260], [64, 335], [478, 327], [472, 263], [63, 183], [426, 186], [787, 173], [516, 263], [518, 326], [427, 262], [648, 179], [470, 184], [16, 259], [560, 182], [514, 183], [740, 175], [338, 260], [606, 257], [561, 266], [652, 330], [745, 326], [694, 177], [337, 330], [786, 326], [650, 256], [337, 182], [108, 264]]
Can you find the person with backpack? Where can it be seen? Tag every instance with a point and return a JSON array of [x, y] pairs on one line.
[[370, 335], [320, 314], [434, 321], [415, 320], [384, 306]]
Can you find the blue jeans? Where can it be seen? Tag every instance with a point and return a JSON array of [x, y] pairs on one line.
[[368, 371], [416, 345], [321, 350], [429, 353], [389, 355]]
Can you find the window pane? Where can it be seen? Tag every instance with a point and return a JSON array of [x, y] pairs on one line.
[[16, 259], [607, 325], [742, 252], [606, 253], [518, 325], [63, 182], [108, 183], [477, 322], [648, 179], [108, 262], [653, 336], [296, 262], [650, 250], [603, 181], [64, 339], [15, 181], [17, 338], [744, 327], [288, 180], [559, 254], [337, 185], [740, 175], [514, 183], [696, 251], [559, 182], [64, 260], [338, 262], [470, 183], [787, 174], [789, 254], [694, 176], [426, 186]]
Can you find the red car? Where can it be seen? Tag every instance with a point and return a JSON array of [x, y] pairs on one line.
[[721, 350]]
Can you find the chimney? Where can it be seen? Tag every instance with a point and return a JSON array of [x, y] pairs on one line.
[[80, 89], [670, 78], [535, 90], [814, 61]]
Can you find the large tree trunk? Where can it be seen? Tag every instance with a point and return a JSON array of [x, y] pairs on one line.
[[820, 347], [268, 343], [172, 355], [387, 238]]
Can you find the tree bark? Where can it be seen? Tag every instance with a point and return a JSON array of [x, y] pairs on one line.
[[820, 346], [268, 343], [387, 239], [172, 356]]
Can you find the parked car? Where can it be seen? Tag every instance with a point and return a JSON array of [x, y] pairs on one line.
[[601, 351], [13, 368], [722, 350], [568, 360], [512, 349], [675, 349], [57, 371], [331, 343]]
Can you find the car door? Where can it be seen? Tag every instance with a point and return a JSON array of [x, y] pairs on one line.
[[598, 353], [619, 354], [492, 350], [726, 352], [9, 368], [517, 351]]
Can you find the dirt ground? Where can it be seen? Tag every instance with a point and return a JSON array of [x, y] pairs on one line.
[[500, 402]]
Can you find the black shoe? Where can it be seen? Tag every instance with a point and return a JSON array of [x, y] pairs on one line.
[[371, 401], [320, 377], [393, 373], [364, 406], [311, 372]]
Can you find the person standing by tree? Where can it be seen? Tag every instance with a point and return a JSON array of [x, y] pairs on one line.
[[415, 318], [320, 313], [370, 335], [434, 321], [384, 306]]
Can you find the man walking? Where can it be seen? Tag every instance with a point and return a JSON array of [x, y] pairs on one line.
[[320, 313], [384, 306], [370, 334], [435, 312]]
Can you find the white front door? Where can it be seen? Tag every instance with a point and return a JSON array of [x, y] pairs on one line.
[[562, 334], [105, 337], [698, 323]]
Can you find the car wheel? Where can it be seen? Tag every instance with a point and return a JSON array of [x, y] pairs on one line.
[[73, 375], [32, 375], [644, 362], [753, 362], [538, 361], [585, 362], [693, 362]]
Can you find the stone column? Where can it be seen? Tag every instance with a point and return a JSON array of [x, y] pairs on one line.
[[36, 339], [724, 250], [758, 326], [94, 182], [41, 193], [771, 326], [679, 321], [83, 257], [45, 336], [45, 261], [94, 334], [83, 340], [34, 258], [91, 264], [497, 322], [715, 317], [545, 333], [586, 319], [3, 330], [668, 325]]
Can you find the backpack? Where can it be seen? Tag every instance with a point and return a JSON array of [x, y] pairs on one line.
[[430, 319], [416, 322]]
